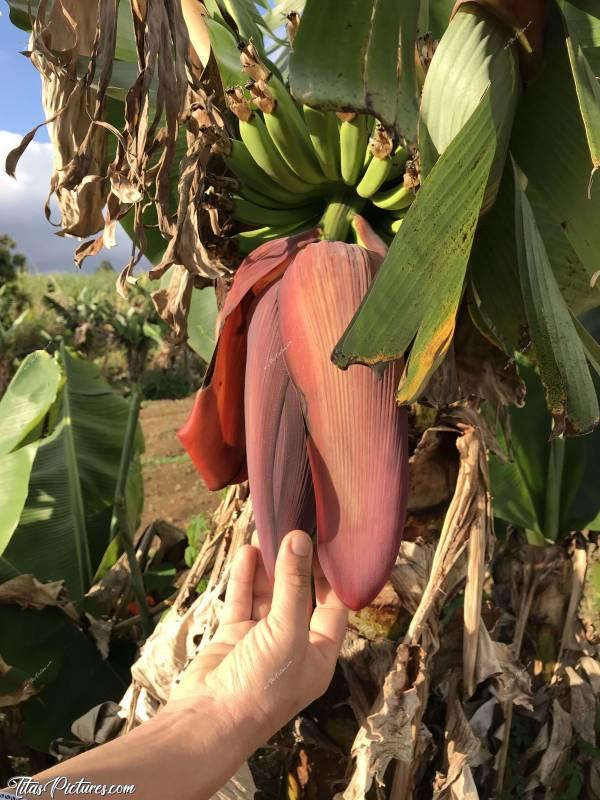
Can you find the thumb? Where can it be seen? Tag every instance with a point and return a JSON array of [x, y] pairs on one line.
[[292, 590]]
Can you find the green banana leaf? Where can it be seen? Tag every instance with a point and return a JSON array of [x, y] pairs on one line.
[[28, 398], [424, 270], [360, 73], [46, 647], [439, 16], [202, 321], [532, 488], [587, 88], [224, 46], [591, 346], [584, 26], [496, 292], [471, 55], [591, 7], [15, 471], [559, 351], [23, 407], [495, 285], [64, 528], [550, 145], [246, 17]]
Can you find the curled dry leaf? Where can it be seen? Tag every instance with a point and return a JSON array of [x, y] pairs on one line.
[[192, 619], [387, 732], [172, 127], [554, 742], [99, 725], [469, 507], [78, 148], [582, 705], [365, 664], [510, 682], [21, 694], [432, 471], [172, 303], [462, 750], [27, 592]]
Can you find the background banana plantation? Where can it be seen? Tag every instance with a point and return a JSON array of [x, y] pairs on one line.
[[440, 159]]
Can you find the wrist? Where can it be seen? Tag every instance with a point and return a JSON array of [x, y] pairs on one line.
[[232, 719]]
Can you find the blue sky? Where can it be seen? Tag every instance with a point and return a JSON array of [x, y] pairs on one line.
[[22, 201], [20, 103]]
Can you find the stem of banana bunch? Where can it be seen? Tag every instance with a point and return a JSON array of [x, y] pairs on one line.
[[337, 217]]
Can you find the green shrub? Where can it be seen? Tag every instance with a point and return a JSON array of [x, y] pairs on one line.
[[166, 384]]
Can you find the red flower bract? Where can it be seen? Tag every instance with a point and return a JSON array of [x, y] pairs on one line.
[[272, 378]]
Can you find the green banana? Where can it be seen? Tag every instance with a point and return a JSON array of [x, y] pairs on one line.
[[391, 226], [253, 214], [354, 137], [290, 134], [241, 163], [247, 241], [374, 176], [394, 199], [324, 132], [256, 138], [269, 201]]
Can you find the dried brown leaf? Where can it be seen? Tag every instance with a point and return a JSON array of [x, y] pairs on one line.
[[510, 682], [461, 750], [554, 743], [173, 303], [583, 707], [469, 503], [388, 732], [21, 694], [27, 592], [433, 468], [365, 664]]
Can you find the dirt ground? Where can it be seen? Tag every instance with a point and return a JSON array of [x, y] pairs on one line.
[[173, 489]]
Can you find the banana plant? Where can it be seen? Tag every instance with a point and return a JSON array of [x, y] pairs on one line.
[[360, 190], [380, 141], [547, 487], [59, 466], [65, 464]]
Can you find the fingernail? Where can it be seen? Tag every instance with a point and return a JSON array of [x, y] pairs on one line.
[[301, 544]]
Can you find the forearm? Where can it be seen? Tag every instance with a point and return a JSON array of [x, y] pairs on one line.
[[186, 752]]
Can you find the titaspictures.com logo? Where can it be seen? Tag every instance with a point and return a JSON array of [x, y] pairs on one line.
[[26, 787]]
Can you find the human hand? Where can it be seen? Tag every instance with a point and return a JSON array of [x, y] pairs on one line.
[[272, 653]]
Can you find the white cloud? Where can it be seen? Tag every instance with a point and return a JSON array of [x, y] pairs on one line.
[[22, 213]]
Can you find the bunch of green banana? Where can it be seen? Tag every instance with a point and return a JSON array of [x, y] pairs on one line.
[[293, 162]]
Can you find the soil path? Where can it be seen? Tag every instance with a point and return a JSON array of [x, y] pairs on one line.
[[173, 489]]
